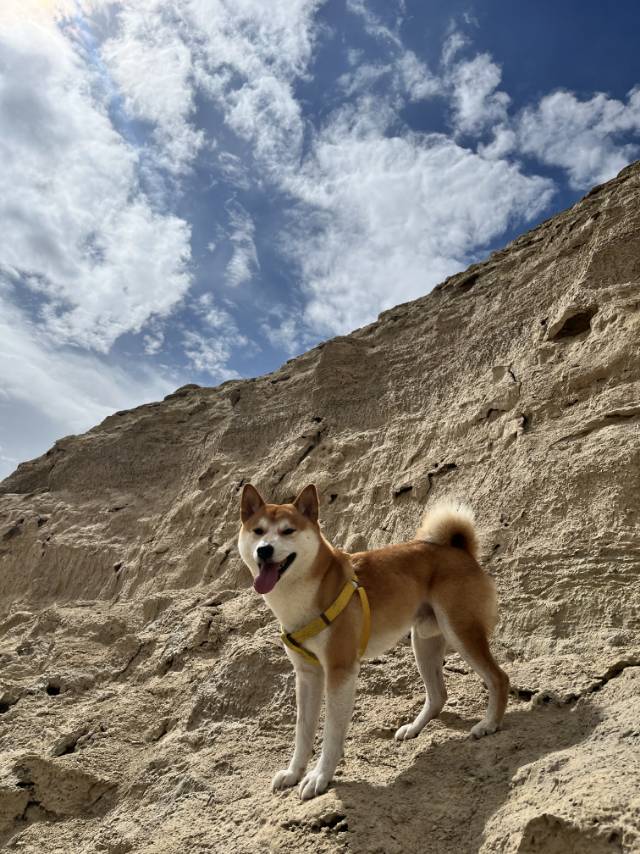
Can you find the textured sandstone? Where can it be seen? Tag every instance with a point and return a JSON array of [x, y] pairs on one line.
[[145, 701]]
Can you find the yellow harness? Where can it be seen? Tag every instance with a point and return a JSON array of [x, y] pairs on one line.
[[294, 640]]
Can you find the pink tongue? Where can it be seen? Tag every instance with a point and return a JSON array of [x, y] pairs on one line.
[[267, 577]]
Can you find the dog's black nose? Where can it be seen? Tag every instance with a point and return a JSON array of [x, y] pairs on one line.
[[265, 552]]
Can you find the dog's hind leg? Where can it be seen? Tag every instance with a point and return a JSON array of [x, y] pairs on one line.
[[468, 637], [429, 653], [309, 689]]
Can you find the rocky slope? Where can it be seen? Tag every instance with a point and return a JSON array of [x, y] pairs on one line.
[[145, 699]]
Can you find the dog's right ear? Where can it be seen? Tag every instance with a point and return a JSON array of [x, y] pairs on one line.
[[307, 502], [250, 502]]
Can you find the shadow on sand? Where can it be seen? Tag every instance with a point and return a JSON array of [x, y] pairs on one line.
[[444, 800]]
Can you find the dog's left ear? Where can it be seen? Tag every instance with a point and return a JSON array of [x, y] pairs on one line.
[[250, 502], [307, 502]]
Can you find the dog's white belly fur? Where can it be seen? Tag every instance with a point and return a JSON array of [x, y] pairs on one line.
[[380, 643]]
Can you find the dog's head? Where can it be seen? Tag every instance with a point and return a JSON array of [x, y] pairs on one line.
[[278, 538]]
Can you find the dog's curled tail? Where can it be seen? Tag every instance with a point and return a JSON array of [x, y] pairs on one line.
[[450, 523]]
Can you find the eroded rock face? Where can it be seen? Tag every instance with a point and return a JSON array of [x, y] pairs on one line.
[[145, 700]]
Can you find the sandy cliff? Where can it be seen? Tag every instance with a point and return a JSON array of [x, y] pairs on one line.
[[145, 701]]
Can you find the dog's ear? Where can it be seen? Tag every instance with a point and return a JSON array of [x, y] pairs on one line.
[[250, 502], [307, 502]]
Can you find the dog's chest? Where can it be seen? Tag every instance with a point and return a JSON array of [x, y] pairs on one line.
[[292, 607]]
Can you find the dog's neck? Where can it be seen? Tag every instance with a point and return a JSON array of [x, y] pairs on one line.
[[299, 598]]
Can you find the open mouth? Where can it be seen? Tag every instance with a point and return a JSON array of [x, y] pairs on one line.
[[269, 573]]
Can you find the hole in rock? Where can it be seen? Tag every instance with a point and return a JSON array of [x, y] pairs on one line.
[[575, 325], [466, 284], [53, 689]]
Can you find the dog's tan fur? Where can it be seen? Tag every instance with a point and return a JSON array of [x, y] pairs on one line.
[[432, 585]]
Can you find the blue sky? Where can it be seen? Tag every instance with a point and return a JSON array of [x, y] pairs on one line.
[[195, 191]]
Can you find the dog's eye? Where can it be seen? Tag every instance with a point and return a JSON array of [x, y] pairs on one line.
[[258, 531], [288, 531]]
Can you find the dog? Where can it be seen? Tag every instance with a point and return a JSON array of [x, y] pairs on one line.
[[432, 586]]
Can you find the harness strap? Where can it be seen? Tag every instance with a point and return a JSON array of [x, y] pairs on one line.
[[295, 640]]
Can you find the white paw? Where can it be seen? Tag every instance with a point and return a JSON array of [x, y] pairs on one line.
[[284, 779], [315, 783], [485, 727], [407, 731]]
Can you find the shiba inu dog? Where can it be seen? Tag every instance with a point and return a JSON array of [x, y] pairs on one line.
[[432, 585]]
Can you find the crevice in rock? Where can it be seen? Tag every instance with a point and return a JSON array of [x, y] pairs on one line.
[[547, 696], [401, 490], [131, 661], [314, 444], [14, 530], [67, 743], [607, 420], [438, 471], [612, 673], [165, 665]]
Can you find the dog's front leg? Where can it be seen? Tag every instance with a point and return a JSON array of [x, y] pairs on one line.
[[340, 687], [309, 700]]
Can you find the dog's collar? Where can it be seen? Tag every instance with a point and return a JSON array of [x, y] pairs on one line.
[[294, 640]]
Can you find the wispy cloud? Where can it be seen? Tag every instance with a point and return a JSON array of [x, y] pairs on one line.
[[243, 263], [47, 390], [151, 63]]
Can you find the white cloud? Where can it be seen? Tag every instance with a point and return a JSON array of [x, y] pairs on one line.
[[211, 353], [453, 44], [373, 23], [504, 142], [243, 263], [284, 330], [582, 137], [363, 77], [418, 81], [406, 77], [211, 313], [74, 222], [209, 350], [476, 101], [394, 216]]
